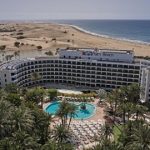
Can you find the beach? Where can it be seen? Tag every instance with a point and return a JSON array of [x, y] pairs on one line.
[[35, 39]]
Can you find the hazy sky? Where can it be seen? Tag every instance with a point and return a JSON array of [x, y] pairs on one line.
[[74, 9]]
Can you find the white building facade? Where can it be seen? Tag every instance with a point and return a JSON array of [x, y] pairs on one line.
[[107, 69]]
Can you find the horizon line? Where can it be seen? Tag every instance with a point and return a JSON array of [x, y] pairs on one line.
[[28, 20]]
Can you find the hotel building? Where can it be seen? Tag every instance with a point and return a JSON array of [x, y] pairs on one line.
[[87, 68]]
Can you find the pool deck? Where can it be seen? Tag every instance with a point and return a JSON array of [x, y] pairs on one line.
[[65, 91], [80, 138]]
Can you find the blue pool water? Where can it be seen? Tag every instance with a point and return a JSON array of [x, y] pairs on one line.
[[80, 114]]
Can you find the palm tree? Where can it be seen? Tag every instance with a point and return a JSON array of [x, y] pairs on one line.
[[50, 145], [84, 101], [3, 55], [118, 103], [102, 94], [22, 127], [41, 92], [5, 118], [133, 93], [72, 113], [107, 131], [130, 108], [61, 134], [42, 122], [140, 138], [113, 100], [17, 53], [23, 92], [35, 76], [52, 93], [63, 112], [6, 143], [22, 119], [36, 95], [140, 111], [123, 97], [8, 57], [14, 99], [106, 144], [2, 94], [12, 88], [22, 140]]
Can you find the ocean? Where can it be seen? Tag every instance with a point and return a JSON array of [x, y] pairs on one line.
[[129, 30]]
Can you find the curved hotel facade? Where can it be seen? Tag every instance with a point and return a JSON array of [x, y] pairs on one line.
[[91, 68]]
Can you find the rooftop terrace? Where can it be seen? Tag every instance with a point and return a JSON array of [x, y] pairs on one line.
[[99, 50]]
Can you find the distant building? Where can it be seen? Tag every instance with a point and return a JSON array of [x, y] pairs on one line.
[[88, 68], [98, 54]]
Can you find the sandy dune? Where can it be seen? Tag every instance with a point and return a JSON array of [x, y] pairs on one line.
[[53, 36]]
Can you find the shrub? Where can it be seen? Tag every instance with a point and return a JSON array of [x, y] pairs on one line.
[[52, 93], [39, 47], [35, 95], [49, 53], [65, 31], [11, 88], [17, 44], [20, 37], [20, 33], [14, 99], [22, 44], [53, 39], [2, 47]]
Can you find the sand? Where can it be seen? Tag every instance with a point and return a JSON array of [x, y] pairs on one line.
[[54, 36]]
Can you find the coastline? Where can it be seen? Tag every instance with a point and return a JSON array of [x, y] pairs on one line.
[[66, 35], [78, 28], [105, 36]]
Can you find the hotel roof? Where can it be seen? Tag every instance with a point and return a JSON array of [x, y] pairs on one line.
[[98, 50]]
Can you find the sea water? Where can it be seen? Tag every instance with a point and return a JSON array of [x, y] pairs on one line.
[[130, 30]]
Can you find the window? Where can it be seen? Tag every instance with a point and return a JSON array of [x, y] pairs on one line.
[[109, 65], [12, 74], [13, 79]]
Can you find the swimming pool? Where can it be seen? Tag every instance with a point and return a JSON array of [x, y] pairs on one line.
[[79, 114]]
